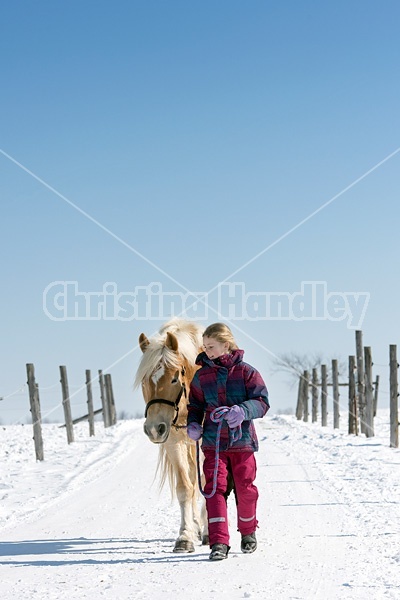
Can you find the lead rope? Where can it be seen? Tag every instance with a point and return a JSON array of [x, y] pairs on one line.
[[217, 416]]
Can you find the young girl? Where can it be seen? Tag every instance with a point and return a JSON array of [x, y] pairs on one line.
[[237, 390]]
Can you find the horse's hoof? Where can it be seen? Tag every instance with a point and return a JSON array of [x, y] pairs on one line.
[[184, 546], [206, 540]]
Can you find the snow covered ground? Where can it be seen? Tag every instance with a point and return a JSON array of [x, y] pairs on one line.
[[89, 522]]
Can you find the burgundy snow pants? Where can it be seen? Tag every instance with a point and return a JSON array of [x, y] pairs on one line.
[[242, 466]]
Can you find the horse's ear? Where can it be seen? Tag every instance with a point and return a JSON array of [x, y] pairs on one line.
[[171, 342], [143, 342]]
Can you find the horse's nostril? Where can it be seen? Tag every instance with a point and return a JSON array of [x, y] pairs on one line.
[[145, 429], [162, 428]]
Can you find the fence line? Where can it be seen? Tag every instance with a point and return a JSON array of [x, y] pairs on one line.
[[108, 409], [362, 394]]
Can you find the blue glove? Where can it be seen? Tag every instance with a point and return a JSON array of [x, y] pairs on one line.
[[194, 431], [235, 416]]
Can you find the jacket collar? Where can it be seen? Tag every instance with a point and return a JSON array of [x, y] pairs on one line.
[[226, 360]]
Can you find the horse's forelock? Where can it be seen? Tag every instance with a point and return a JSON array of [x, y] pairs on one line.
[[157, 352]]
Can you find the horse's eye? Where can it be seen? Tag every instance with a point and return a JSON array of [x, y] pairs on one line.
[[175, 380]]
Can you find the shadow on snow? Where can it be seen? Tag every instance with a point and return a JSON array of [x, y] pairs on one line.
[[91, 552]]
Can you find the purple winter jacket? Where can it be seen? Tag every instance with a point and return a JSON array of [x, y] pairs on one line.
[[226, 381]]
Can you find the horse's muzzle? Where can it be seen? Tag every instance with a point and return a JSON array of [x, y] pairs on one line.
[[158, 433]]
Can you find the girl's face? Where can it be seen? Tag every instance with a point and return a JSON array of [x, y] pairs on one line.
[[213, 348]]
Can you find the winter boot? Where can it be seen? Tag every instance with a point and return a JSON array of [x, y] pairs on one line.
[[219, 551], [249, 543]]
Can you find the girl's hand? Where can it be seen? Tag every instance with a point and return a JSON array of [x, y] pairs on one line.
[[235, 416], [194, 431]]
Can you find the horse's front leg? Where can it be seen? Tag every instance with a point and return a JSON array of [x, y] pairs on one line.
[[187, 535], [199, 518], [185, 490]]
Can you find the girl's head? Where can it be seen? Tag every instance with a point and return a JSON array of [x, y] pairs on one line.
[[218, 340]]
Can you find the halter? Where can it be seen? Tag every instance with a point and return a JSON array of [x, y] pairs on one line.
[[170, 403]]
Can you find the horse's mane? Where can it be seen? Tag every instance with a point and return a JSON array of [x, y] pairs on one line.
[[189, 336]]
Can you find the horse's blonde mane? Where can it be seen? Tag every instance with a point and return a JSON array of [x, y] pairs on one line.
[[189, 336]]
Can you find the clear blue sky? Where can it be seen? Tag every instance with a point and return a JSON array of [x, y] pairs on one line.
[[198, 133]]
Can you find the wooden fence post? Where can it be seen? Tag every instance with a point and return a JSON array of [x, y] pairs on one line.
[[360, 379], [113, 409], [353, 424], [324, 396], [299, 406], [106, 413], [90, 402], [66, 405], [369, 398], [394, 394], [335, 384], [306, 379], [35, 410], [110, 399], [314, 395], [376, 391]]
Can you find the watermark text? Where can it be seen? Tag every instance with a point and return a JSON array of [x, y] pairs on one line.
[[64, 301]]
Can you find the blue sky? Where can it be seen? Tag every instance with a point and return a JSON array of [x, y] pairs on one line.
[[198, 134]]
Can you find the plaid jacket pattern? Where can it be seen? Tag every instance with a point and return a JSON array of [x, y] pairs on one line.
[[226, 381]]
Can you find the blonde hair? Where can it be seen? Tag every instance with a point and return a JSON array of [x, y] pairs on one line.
[[221, 333]]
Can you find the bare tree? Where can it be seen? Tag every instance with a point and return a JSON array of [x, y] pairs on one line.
[[294, 364]]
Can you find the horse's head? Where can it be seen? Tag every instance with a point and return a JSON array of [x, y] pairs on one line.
[[164, 389]]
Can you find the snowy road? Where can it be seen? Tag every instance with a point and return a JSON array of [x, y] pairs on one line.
[[93, 525]]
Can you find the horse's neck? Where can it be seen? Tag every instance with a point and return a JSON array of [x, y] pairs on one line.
[[190, 371]]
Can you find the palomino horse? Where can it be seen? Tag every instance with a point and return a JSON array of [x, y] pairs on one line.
[[165, 372]]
